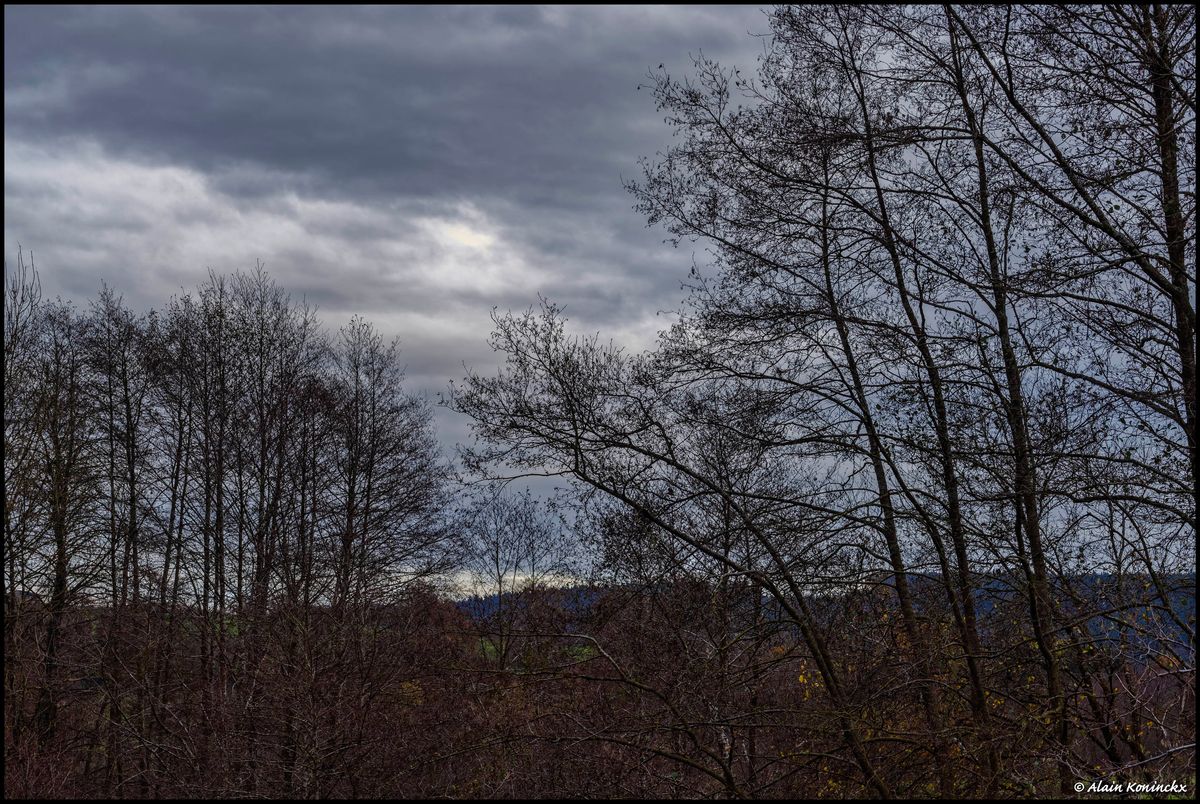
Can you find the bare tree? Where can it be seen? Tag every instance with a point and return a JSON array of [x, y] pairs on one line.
[[517, 546]]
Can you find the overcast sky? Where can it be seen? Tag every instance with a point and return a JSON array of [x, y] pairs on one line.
[[417, 165]]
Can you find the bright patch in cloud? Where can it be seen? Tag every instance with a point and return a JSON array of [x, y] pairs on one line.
[[78, 207]]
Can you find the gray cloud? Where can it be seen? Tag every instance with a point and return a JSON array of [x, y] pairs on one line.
[[417, 165]]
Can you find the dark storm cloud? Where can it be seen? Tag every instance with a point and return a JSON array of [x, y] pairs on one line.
[[538, 105], [415, 164]]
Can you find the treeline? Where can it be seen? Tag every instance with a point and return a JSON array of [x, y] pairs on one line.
[[903, 505], [177, 481]]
